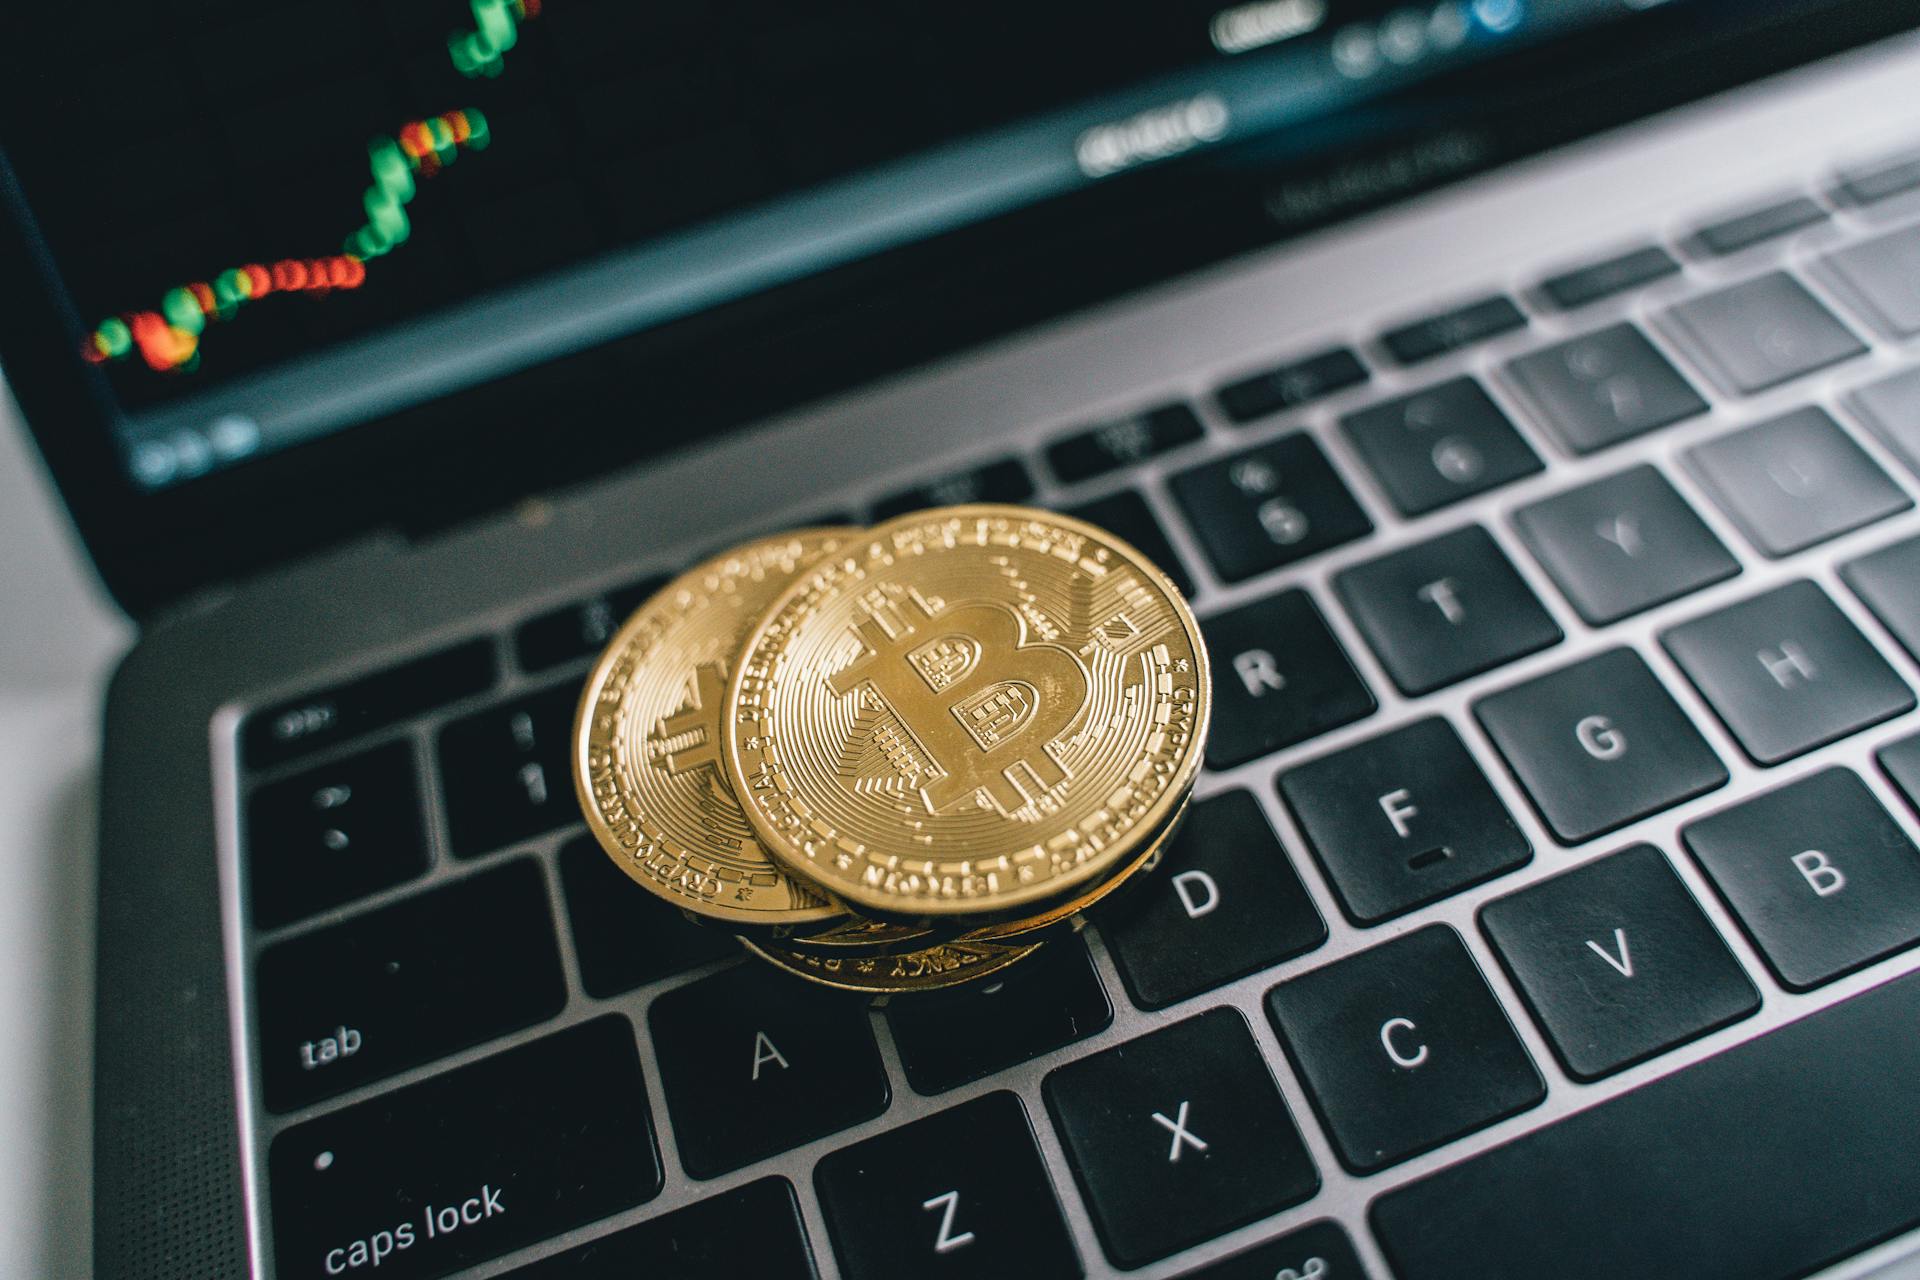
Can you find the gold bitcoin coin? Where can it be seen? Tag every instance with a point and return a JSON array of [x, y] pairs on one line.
[[854, 935], [647, 741], [1070, 915], [967, 711], [858, 935], [931, 969]]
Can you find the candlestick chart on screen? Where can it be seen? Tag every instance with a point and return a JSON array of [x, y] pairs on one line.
[[168, 337]]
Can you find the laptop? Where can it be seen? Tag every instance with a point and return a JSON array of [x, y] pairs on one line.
[[1526, 393]]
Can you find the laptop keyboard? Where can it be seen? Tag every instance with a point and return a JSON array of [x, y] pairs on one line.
[[473, 1037]]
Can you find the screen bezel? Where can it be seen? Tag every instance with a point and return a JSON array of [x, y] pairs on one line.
[[463, 455]]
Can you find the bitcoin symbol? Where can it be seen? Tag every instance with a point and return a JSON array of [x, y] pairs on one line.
[[985, 707], [690, 737]]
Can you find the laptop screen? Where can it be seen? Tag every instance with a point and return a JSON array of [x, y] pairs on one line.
[[268, 222]]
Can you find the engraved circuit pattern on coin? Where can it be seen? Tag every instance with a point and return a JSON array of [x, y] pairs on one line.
[[966, 711], [647, 741], [929, 970]]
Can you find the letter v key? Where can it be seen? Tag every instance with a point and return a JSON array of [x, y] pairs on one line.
[[1625, 963]]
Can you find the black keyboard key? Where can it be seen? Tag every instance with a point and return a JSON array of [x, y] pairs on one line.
[[1127, 515], [623, 935], [1599, 744], [1616, 962], [753, 1230], [1318, 1252], [1892, 408], [1438, 446], [1820, 876], [1889, 581], [1762, 333], [1880, 279], [755, 1063], [1901, 761], [1402, 1048], [295, 727], [1270, 506], [1775, 1158], [1122, 442], [1451, 330], [1604, 387], [960, 1195], [406, 984], [1292, 384], [1224, 903], [1787, 672], [506, 771], [1623, 544], [1403, 819], [1177, 1137], [565, 635], [468, 1165], [1795, 481], [1757, 226], [1279, 677], [950, 1038], [1445, 609], [1867, 184], [1616, 275], [1005, 480], [333, 834]]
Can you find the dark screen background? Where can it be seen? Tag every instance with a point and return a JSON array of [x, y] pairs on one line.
[[87, 91], [159, 144]]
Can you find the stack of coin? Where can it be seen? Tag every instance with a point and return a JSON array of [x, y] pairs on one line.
[[899, 758]]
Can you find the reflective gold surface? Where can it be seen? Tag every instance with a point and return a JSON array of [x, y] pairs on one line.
[[968, 711], [1070, 914], [930, 970], [647, 741]]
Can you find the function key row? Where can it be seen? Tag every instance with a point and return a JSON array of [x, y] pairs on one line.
[[1453, 329], [1883, 179], [580, 629], [1118, 443], [1758, 224], [1290, 385], [1609, 277], [285, 731]]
